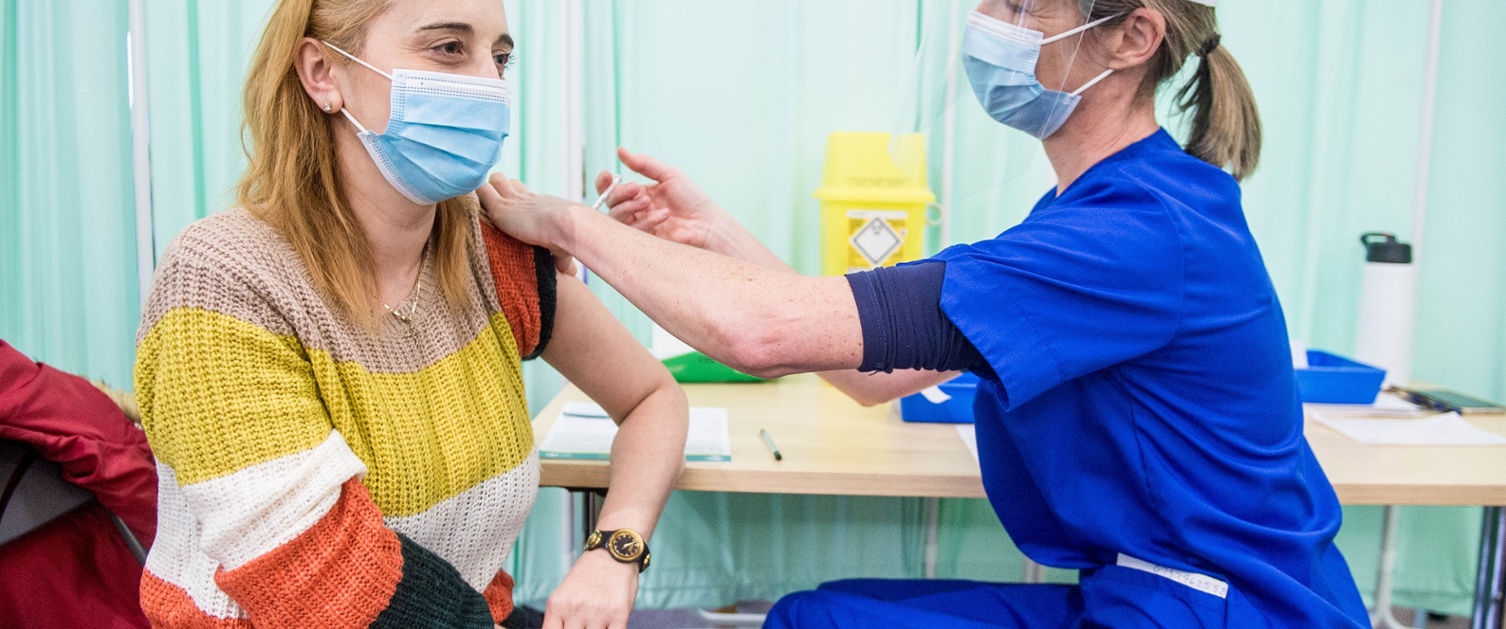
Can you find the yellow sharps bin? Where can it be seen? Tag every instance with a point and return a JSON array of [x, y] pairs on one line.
[[873, 213]]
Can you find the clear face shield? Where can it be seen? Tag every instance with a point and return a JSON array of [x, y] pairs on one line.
[[989, 82]]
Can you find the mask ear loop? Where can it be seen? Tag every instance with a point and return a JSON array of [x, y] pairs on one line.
[[373, 68], [353, 120], [1075, 31], [1093, 82], [357, 60]]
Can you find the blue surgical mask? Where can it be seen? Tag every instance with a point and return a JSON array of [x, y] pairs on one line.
[[1000, 61], [444, 134]]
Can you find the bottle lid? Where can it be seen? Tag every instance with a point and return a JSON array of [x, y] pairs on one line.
[[1382, 247]]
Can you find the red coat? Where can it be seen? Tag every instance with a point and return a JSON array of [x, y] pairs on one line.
[[76, 571]]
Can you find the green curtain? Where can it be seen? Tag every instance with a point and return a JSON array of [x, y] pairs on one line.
[[68, 283], [742, 96], [196, 56]]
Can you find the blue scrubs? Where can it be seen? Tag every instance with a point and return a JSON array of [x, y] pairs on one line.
[[1139, 401]]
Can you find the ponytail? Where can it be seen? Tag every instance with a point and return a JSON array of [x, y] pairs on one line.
[[1226, 129]]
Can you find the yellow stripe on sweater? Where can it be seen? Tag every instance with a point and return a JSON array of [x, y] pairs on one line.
[[219, 395], [431, 434]]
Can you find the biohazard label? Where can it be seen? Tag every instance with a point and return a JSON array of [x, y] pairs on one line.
[[876, 236]]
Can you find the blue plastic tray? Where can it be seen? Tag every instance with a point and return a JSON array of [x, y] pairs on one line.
[[958, 410], [1333, 379]]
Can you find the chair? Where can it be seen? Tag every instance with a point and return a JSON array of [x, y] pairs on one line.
[[35, 494]]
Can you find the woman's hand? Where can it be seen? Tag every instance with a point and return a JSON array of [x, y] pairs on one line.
[[673, 208], [597, 594]]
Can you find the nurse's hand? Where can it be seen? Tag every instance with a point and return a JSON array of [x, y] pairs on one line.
[[673, 208], [536, 219]]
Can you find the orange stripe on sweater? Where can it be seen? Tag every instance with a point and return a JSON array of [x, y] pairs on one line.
[[517, 280], [341, 572], [167, 605], [499, 596]]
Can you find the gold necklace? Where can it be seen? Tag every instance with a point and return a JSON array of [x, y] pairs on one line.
[[409, 308]]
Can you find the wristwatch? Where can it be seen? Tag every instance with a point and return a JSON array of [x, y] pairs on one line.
[[624, 545]]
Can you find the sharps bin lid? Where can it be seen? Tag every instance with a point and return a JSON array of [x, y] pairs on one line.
[[860, 167]]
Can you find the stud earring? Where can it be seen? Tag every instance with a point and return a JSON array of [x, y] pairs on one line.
[[327, 107]]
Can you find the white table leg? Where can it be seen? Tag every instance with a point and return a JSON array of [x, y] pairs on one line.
[[1380, 615], [1034, 573]]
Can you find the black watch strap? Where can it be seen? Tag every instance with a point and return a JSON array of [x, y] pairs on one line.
[[624, 545]]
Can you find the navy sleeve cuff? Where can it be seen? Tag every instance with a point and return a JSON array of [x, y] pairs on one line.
[[904, 327]]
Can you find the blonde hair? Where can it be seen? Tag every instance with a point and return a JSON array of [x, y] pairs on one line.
[[293, 180], [126, 400], [1226, 129]]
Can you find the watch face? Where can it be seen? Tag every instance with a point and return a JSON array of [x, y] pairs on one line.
[[625, 545]]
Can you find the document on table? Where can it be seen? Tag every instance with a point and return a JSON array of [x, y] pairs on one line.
[[583, 431], [969, 436], [1447, 429], [1386, 406]]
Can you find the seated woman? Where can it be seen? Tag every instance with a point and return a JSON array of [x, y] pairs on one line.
[[330, 374]]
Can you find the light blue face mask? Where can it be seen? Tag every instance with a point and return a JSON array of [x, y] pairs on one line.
[[444, 134], [1000, 61]]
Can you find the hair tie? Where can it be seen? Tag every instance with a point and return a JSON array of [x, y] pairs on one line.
[[1211, 46]]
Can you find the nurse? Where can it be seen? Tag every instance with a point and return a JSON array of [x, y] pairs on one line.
[[1138, 418]]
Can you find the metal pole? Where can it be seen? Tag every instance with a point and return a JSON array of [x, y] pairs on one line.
[[573, 49], [593, 499], [1490, 579], [933, 525], [1035, 573], [1380, 616], [141, 155], [949, 131], [1429, 112]]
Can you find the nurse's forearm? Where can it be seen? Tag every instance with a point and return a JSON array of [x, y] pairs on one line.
[[756, 319], [728, 237]]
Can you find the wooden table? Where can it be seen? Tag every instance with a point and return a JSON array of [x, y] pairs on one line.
[[832, 446]]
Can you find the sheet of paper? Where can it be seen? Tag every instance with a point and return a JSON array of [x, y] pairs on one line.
[[1386, 405], [664, 345], [935, 395], [583, 431], [585, 409], [1447, 429], [970, 437]]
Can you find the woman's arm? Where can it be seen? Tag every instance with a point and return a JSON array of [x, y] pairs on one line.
[[754, 319], [597, 354]]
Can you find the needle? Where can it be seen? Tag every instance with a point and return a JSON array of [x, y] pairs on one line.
[[602, 200]]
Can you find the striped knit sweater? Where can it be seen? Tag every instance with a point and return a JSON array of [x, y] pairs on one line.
[[316, 474]]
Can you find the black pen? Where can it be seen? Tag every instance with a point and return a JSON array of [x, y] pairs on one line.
[[770, 443]]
